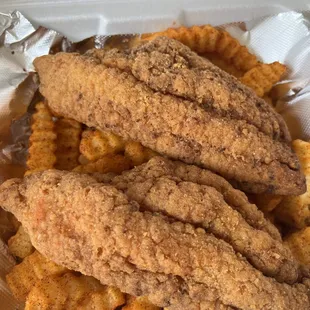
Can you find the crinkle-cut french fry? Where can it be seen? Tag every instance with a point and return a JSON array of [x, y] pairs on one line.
[[224, 65], [83, 160], [20, 244], [139, 303], [262, 77], [115, 141], [135, 152], [72, 292], [302, 149], [206, 39], [294, 210], [68, 142], [42, 140], [96, 144], [108, 299], [299, 243], [33, 268], [108, 163]]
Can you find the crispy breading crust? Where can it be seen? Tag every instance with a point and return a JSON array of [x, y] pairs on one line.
[[170, 67], [205, 207], [113, 100], [104, 227]]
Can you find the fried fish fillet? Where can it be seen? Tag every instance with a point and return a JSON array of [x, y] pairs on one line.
[[204, 206], [160, 166], [86, 226], [252, 153], [170, 67]]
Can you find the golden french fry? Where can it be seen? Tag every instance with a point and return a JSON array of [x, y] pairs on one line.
[[33, 268], [148, 154], [108, 299], [299, 243], [72, 292], [68, 142], [42, 140], [139, 303], [108, 163], [262, 77], [83, 160], [135, 152], [96, 144], [294, 210], [207, 39], [116, 142], [20, 244], [302, 149]]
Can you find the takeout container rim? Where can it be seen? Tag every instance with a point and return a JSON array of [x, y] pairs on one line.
[[79, 19]]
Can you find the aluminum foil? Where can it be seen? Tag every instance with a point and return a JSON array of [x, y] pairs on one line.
[[284, 37]]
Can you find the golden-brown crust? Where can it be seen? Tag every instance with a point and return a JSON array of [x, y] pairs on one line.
[[170, 67], [105, 228], [206, 38], [204, 206], [110, 99]]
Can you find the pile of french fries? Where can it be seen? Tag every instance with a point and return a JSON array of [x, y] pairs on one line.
[[63, 144]]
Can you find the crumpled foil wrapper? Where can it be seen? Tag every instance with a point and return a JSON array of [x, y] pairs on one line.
[[284, 37]]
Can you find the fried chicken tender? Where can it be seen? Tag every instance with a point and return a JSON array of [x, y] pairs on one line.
[[262, 77], [68, 141], [108, 163], [33, 268], [42, 140], [246, 142], [294, 210], [105, 227], [206, 39], [72, 292], [20, 244], [299, 243]]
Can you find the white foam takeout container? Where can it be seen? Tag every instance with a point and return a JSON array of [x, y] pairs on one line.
[[78, 19]]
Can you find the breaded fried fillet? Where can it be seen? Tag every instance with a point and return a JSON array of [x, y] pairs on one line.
[[170, 67], [85, 225], [160, 166], [254, 154], [205, 207]]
